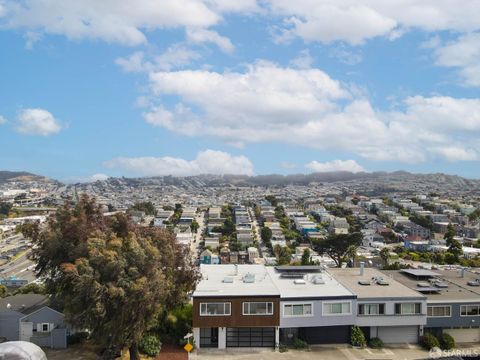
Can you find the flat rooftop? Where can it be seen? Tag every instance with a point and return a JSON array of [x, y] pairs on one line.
[[228, 280], [315, 284], [358, 284], [456, 290]]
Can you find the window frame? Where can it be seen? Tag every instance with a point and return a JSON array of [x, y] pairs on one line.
[[415, 304], [378, 305], [466, 306], [449, 307], [216, 303], [285, 305], [329, 303], [267, 313]]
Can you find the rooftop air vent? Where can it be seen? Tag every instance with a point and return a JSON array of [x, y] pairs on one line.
[[249, 278], [228, 279], [318, 280], [364, 282], [474, 282], [299, 282], [380, 281]]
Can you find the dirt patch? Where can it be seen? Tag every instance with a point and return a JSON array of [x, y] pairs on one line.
[[172, 352]]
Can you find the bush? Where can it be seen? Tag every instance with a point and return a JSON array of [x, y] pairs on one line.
[[150, 345], [357, 337], [77, 338], [375, 343], [299, 344], [429, 341], [283, 348], [447, 342]]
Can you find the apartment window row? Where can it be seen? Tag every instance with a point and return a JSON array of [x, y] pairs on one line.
[[337, 308], [298, 309], [225, 308], [371, 309], [439, 311], [470, 310], [408, 308]]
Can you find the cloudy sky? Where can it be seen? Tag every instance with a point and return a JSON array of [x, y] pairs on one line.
[[153, 87]]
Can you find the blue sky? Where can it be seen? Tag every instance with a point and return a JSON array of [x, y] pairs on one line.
[[93, 89]]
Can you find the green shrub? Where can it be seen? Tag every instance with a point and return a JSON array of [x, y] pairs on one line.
[[447, 342], [375, 343], [429, 341], [357, 337], [283, 348], [299, 344], [77, 338], [150, 345]]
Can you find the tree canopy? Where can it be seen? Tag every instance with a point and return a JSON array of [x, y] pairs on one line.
[[339, 246], [110, 276]]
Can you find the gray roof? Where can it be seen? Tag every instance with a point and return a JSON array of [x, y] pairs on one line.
[[350, 278], [24, 303], [327, 286], [213, 282], [457, 290]]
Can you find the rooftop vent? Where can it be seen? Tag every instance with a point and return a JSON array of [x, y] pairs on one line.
[[380, 281], [318, 280], [292, 275], [474, 282], [364, 282], [228, 279], [249, 278], [299, 282]]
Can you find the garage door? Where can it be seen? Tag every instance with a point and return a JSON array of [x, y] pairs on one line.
[[398, 334], [251, 337], [464, 335], [325, 334]]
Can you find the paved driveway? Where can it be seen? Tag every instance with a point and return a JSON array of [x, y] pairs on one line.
[[407, 352]]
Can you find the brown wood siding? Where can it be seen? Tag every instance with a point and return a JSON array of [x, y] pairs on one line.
[[236, 319]]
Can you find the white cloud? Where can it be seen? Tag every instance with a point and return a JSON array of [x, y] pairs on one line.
[[335, 165], [303, 61], [174, 57], [37, 122], [268, 103], [3, 120], [118, 21], [355, 21], [345, 56], [456, 153], [200, 36], [206, 162], [463, 54]]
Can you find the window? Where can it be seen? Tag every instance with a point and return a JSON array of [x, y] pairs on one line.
[[215, 309], [408, 308], [297, 310], [44, 327], [257, 308], [470, 310], [341, 308], [371, 309], [439, 311]]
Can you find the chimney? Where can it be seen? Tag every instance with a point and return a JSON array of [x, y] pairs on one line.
[[362, 267], [462, 272], [236, 269]]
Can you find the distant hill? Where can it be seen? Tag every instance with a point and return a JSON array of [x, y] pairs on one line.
[[20, 176], [301, 179]]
